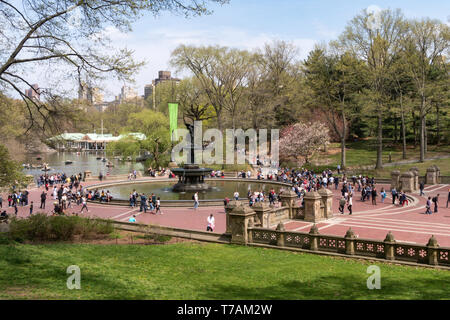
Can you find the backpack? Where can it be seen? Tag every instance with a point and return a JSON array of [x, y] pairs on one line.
[[193, 197], [434, 199]]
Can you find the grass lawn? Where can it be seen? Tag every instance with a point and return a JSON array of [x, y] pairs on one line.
[[203, 271], [363, 153]]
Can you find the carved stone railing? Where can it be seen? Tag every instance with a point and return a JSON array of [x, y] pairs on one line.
[[351, 245]]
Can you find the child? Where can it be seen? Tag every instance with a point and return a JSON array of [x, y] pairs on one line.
[[31, 208]]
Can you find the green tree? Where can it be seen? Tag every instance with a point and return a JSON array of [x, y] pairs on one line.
[[155, 125], [376, 39], [335, 78], [10, 171], [425, 44]]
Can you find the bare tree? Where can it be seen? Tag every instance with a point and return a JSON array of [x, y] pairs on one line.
[[70, 35]]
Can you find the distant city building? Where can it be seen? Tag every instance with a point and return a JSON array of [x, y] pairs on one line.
[[163, 76], [148, 91], [127, 93], [33, 93]]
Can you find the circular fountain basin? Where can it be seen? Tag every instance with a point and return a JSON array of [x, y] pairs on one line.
[[218, 189]]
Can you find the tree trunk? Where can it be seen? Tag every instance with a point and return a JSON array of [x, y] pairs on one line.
[[422, 129], [344, 134], [379, 164], [414, 127], [438, 131], [403, 128], [395, 130]]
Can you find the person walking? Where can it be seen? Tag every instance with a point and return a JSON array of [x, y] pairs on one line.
[[342, 205], [422, 187], [1, 201], [158, 206], [394, 195], [84, 204], [428, 206], [350, 204], [211, 223], [195, 197], [436, 200]]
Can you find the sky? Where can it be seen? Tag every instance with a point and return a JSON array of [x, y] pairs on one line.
[[249, 24]]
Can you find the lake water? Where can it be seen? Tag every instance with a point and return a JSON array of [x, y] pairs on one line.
[[81, 162]]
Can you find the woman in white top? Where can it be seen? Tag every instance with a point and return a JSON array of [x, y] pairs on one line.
[[211, 223], [350, 203]]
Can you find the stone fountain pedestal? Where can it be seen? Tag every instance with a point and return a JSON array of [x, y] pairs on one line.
[[191, 178]]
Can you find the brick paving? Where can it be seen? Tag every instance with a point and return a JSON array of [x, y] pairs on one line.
[[408, 224]]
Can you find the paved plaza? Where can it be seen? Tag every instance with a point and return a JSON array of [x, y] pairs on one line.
[[409, 224]]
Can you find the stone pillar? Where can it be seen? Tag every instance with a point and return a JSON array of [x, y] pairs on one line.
[[312, 207], [431, 176], [395, 179], [438, 174], [289, 199], [415, 171], [240, 218], [432, 251], [87, 175], [389, 247], [327, 201], [407, 181], [313, 235], [350, 242], [281, 230], [231, 205], [263, 211]]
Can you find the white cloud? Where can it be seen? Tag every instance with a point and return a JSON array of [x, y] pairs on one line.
[[156, 45]]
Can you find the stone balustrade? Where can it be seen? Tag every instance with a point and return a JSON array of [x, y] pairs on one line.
[[351, 245]]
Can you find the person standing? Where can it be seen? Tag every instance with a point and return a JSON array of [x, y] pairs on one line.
[[143, 204], [43, 199], [374, 196], [236, 196], [1, 201], [436, 200], [383, 195], [31, 207], [211, 223], [196, 201], [422, 187], [448, 198]]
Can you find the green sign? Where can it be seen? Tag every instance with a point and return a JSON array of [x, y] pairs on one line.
[[173, 113]]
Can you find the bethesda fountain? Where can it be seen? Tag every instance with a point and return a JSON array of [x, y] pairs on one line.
[[191, 178]]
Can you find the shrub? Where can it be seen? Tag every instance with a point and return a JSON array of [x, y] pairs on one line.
[[40, 227]]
